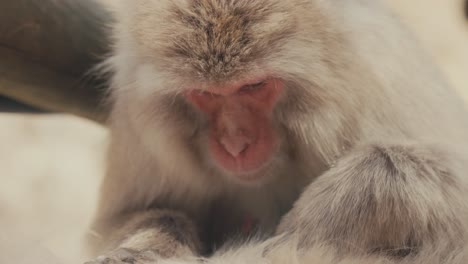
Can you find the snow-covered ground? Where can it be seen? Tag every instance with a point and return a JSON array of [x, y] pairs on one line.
[[51, 165]]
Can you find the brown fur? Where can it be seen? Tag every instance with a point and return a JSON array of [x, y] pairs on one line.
[[372, 167]]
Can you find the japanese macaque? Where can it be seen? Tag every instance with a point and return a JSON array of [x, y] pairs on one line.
[[279, 131]]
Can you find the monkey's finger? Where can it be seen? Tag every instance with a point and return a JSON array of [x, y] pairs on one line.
[[149, 255], [103, 260], [119, 256], [106, 260]]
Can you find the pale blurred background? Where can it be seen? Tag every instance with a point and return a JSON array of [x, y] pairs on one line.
[[51, 165]]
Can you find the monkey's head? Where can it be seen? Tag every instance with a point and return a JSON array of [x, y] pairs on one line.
[[230, 78]]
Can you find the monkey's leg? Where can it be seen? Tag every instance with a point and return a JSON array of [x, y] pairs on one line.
[[148, 236], [393, 200]]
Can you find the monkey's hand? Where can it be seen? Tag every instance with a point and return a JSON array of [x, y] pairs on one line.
[[394, 200], [150, 236], [128, 256]]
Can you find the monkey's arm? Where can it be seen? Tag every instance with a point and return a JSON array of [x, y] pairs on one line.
[[135, 217], [390, 199], [142, 234], [147, 235]]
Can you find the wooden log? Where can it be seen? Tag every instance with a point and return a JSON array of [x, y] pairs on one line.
[[46, 49]]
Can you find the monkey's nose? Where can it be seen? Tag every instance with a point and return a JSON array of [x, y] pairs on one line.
[[235, 145]]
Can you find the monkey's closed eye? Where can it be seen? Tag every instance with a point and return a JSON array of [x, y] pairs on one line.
[[207, 94], [252, 87]]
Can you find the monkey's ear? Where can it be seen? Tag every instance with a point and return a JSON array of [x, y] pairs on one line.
[[47, 49]]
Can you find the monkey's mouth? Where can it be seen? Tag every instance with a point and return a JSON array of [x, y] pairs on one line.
[[246, 162]]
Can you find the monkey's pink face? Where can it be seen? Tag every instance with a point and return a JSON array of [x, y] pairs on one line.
[[241, 138]]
